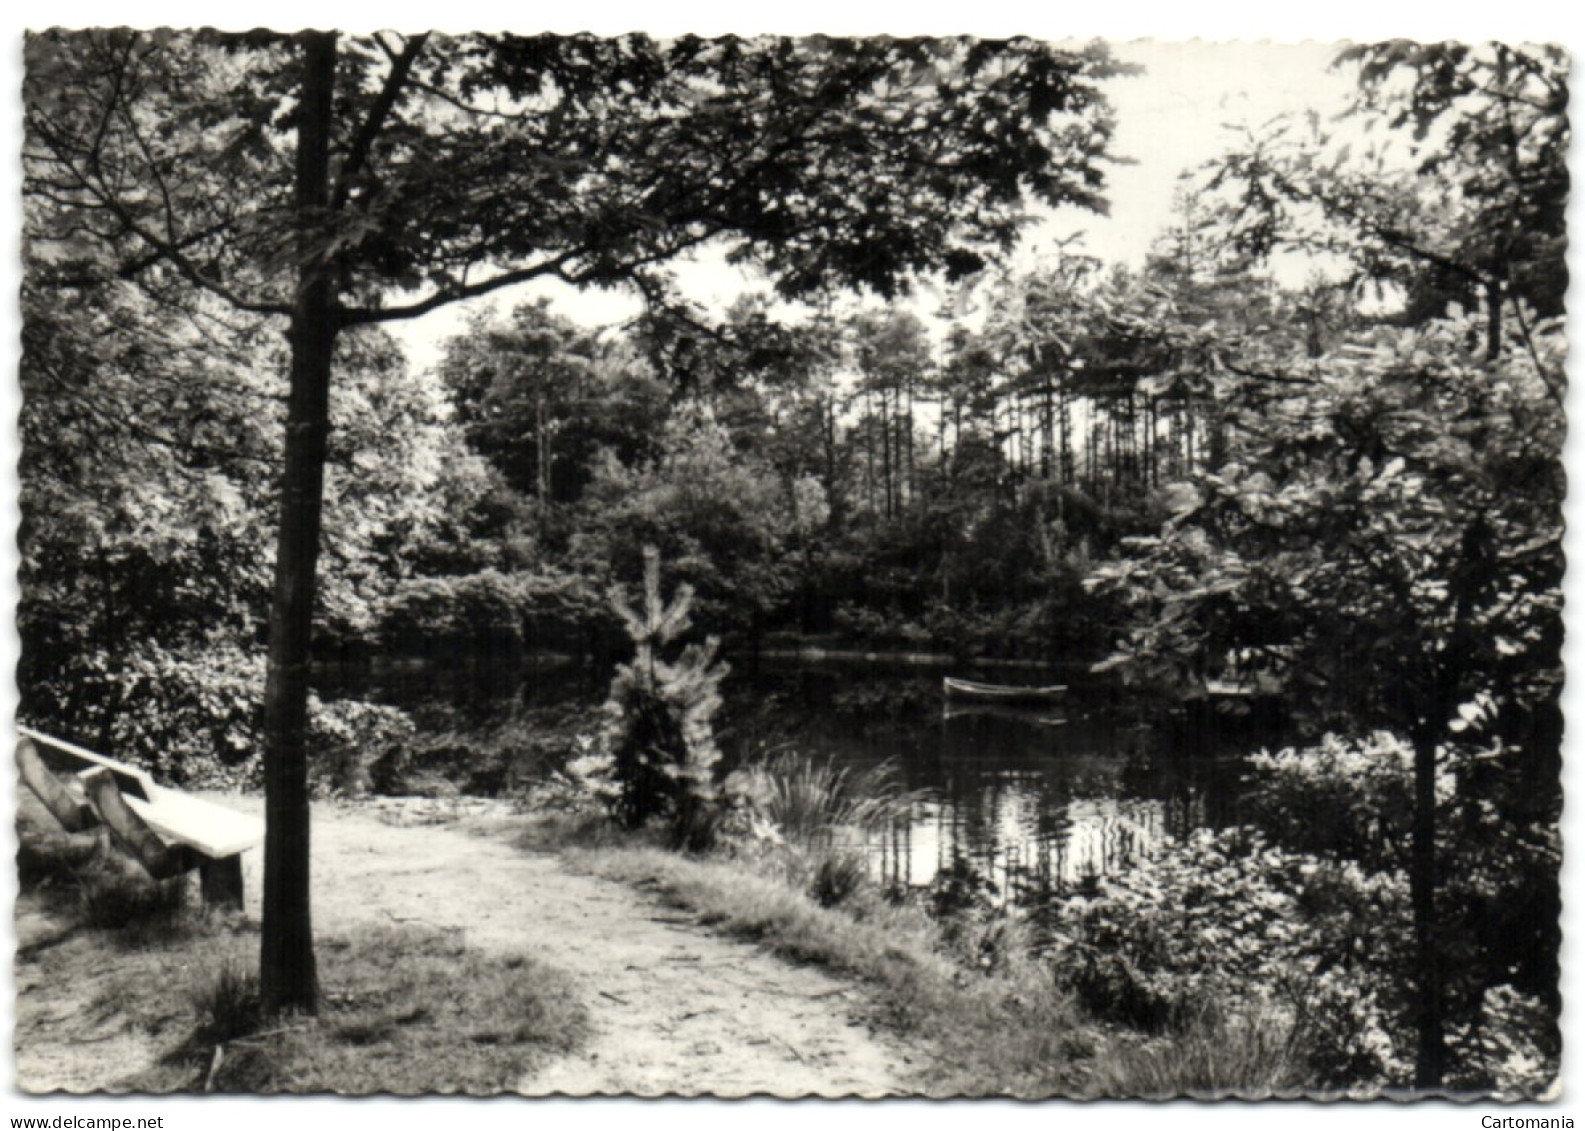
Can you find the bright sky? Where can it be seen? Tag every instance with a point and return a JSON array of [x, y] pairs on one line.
[[1169, 119], [1176, 115]]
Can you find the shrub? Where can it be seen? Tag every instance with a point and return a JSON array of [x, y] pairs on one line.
[[195, 719], [1225, 926], [349, 737], [483, 610], [1515, 1046], [1342, 799], [191, 716], [1498, 849], [513, 753], [491, 611]]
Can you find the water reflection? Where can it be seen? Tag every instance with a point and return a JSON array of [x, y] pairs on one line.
[[1020, 854]]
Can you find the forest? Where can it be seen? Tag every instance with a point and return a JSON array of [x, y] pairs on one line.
[[1149, 475]]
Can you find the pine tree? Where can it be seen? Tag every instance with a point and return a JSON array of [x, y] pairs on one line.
[[659, 733]]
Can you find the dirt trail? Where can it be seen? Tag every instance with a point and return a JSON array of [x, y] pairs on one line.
[[674, 1009]]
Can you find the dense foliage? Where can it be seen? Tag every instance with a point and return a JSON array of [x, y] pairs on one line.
[[1230, 926]]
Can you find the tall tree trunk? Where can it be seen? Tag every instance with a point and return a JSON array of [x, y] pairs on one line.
[[869, 451], [807, 618], [837, 513], [286, 967], [958, 434], [908, 442], [1474, 570], [1430, 1053], [1065, 429], [1031, 436], [886, 451], [1015, 437], [1493, 319], [1092, 433], [1152, 476], [1020, 438], [828, 437], [541, 449], [1048, 424]]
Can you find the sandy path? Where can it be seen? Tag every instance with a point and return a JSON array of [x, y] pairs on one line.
[[674, 1009]]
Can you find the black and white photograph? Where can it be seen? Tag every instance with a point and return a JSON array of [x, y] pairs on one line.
[[652, 564]]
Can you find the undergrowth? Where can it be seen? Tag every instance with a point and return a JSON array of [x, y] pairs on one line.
[[971, 991]]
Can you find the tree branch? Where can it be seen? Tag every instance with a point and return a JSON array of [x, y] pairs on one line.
[[1556, 385], [384, 103], [555, 268]]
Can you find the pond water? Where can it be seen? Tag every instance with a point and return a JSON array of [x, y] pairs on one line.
[[1009, 802], [1012, 802]]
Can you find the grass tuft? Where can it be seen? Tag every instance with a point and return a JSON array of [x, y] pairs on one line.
[[140, 911], [1211, 1057], [810, 801], [228, 1004], [839, 874]]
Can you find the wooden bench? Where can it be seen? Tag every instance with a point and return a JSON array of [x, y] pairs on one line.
[[167, 831]]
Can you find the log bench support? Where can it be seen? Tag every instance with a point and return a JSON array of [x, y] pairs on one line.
[[221, 881], [165, 830]]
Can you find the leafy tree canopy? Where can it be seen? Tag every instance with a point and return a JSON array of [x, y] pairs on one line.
[[1456, 193], [465, 163]]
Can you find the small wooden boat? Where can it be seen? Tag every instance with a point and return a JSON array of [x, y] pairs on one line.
[[1254, 685], [954, 688], [1228, 689], [1025, 714]]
